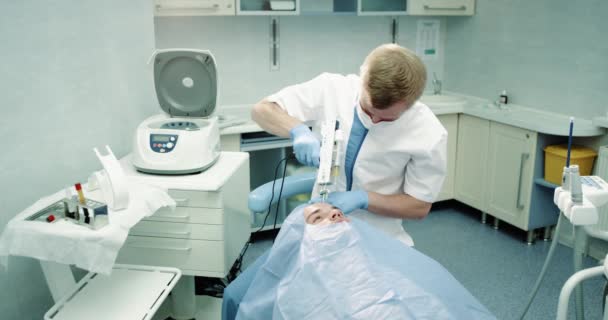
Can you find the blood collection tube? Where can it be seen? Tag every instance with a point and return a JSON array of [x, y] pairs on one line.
[[81, 198]]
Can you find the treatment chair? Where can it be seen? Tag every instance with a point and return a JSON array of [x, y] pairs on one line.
[[260, 198]]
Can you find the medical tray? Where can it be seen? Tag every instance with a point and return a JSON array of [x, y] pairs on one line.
[[131, 292], [92, 214]]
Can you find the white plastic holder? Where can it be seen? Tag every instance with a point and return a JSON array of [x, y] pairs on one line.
[[594, 193], [112, 181], [582, 214]]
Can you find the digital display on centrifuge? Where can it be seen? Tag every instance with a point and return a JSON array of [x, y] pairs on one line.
[[160, 138]]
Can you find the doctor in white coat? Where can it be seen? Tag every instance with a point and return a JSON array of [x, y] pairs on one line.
[[395, 157]]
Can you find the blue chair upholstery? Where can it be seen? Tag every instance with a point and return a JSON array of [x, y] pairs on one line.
[[259, 199]]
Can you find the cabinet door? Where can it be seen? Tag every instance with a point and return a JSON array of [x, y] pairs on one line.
[[441, 7], [382, 7], [510, 173], [267, 8], [471, 161], [194, 8], [450, 122]]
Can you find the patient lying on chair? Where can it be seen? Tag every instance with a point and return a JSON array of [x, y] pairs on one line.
[[323, 213], [324, 265]]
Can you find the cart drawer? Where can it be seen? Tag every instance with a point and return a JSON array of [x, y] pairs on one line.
[[188, 215], [178, 230], [196, 199], [179, 253]]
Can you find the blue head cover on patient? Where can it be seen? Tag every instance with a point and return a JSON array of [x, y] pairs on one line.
[[350, 270]]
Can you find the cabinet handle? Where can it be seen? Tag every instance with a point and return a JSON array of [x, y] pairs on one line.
[[184, 249], [161, 234], [175, 6], [180, 218], [524, 157], [460, 8], [180, 201]]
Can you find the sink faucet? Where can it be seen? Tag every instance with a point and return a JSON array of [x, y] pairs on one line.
[[436, 84]]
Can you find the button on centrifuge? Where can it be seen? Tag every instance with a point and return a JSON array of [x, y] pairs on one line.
[[172, 138], [162, 150], [170, 145]]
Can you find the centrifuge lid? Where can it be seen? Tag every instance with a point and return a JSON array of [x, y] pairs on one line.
[[186, 82]]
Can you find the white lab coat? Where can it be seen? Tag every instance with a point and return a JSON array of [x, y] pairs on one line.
[[403, 156]]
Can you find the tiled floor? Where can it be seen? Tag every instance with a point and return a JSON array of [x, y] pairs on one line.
[[497, 266]]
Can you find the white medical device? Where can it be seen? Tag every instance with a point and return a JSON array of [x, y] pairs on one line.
[[330, 156], [186, 138], [581, 211], [578, 199]]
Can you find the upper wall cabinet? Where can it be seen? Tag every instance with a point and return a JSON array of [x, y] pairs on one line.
[[382, 7], [267, 7], [328, 7], [314, 7], [441, 7], [194, 8]]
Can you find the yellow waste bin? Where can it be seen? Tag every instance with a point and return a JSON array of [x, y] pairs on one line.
[[555, 161]]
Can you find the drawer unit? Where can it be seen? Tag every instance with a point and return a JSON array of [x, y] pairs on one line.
[[194, 8], [206, 231], [441, 7], [178, 230], [188, 215], [179, 253], [196, 199]]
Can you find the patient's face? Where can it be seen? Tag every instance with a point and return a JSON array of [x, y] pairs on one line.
[[323, 213]]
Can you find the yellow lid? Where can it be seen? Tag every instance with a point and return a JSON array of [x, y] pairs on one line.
[[577, 151]]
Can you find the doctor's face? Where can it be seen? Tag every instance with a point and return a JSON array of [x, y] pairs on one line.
[[323, 213], [391, 113]]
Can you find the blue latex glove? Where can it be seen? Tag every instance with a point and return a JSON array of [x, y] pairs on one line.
[[305, 145], [347, 201]]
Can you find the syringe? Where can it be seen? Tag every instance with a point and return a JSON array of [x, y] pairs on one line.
[[337, 154], [330, 157]]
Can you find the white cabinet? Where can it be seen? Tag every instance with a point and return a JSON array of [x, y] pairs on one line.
[[495, 169], [194, 8], [472, 161], [230, 142], [322, 7], [441, 7], [510, 173], [450, 122], [205, 233]]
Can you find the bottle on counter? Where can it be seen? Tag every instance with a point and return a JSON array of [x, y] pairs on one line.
[[504, 99]]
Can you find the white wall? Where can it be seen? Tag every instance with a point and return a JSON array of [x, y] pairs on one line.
[[309, 45], [548, 54], [73, 76]]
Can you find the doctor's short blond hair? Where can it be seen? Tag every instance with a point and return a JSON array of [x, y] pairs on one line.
[[391, 74]]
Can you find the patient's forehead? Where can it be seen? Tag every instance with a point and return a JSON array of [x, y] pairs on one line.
[[322, 206]]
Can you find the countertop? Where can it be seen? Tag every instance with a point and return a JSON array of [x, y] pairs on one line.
[[514, 115], [211, 179]]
